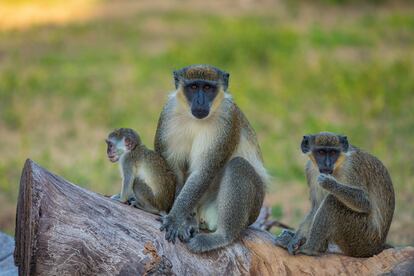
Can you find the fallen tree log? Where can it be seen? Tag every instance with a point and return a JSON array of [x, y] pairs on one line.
[[62, 229]]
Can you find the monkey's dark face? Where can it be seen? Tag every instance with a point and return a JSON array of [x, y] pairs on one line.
[[201, 85], [200, 95], [326, 158], [325, 150]]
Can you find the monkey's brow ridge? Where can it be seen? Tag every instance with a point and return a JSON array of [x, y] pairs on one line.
[[327, 140], [203, 73]]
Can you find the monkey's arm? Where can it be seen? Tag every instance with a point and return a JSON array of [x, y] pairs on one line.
[[354, 198], [306, 224], [127, 183], [159, 143]]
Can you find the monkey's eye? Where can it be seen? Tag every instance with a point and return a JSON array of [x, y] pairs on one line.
[[321, 152], [207, 87], [193, 87]]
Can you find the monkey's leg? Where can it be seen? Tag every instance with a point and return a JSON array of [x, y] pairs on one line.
[[145, 199], [301, 234], [351, 231], [239, 199], [325, 226], [354, 198]]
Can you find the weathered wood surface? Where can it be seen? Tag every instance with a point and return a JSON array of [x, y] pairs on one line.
[[62, 229]]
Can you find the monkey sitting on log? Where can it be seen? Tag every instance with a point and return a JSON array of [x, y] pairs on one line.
[[213, 151], [352, 199], [147, 181]]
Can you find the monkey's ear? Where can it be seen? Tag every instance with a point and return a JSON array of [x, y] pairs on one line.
[[305, 144], [226, 77], [176, 75], [129, 143], [344, 142]]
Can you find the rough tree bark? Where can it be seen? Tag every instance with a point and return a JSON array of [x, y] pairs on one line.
[[62, 229]]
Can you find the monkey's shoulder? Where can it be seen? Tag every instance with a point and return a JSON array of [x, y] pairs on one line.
[[366, 165]]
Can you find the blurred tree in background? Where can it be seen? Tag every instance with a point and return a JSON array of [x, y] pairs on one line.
[[71, 71]]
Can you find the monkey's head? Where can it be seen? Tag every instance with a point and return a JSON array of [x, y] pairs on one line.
[[201, 88], [121, 141], [326, 150]]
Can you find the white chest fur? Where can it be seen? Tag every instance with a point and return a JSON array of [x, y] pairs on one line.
[[188, 139]]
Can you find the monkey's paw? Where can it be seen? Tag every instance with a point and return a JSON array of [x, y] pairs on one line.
[[326, 181], [295, 244], [284, 238], [177, 228], [202, 243], [117, 197]]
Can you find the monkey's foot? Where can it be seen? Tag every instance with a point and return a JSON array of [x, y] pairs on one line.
[[206, 242], [284, 238], [116, 197], [131, 201], [295, 244], [192, 227]]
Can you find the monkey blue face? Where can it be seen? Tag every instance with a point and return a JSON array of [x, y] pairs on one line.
[[326, 158], [325, 149], [200, 84], [200, 95]]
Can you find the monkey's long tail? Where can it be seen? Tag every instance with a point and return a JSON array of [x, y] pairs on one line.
[[206, 242]]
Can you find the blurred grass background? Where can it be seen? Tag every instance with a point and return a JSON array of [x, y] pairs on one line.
[[71, 71]]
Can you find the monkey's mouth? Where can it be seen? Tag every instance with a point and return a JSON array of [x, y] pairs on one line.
[[113, 158], [200, 113], [326, 171]]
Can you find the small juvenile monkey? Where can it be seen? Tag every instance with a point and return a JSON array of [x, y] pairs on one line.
[[146, 177], [352, 199], [213, 151]]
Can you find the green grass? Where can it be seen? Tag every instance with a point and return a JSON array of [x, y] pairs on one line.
[[63, 88]]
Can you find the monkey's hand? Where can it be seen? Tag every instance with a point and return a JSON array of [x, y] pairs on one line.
[[295, 244], [177, 227], [326, 181], [284, 238]]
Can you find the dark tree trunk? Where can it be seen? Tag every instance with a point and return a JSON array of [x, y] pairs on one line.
[[62, 229]]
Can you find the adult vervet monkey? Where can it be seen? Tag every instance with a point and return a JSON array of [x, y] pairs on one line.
[[352, 200], [214, 153]]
